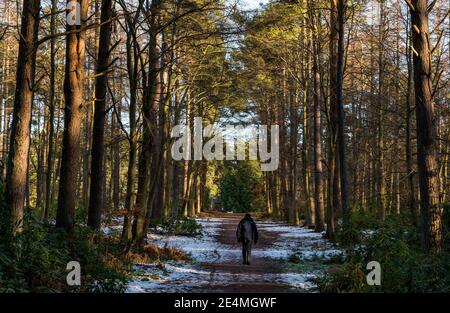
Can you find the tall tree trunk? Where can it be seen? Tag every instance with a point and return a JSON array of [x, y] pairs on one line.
[[73, 97], [51, 108], [333, 156], [6, 116], [412, 204], [427, 160], [310, 212], [381, 184], [197, 200], [341, 113], [116, 159], [159, 153], [293, 157], [86, 155], [40, 151], [187, 166], [17, 168], [132, 70], [57, 157], [96, 200], [283, 139], [318, 179], [149, 103], [175, 191]]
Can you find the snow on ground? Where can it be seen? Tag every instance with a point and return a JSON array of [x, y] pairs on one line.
[[187, 277], [300, 241], [202, 248], [108, 230], [114, 225], [184, 277]]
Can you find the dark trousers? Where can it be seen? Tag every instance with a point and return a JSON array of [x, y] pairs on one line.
[[246, 250]]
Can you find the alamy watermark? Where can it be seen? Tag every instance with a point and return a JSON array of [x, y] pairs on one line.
[[73, 277], [373, 278], [73, 13], [231, 142]]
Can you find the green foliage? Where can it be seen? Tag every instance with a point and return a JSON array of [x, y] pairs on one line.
[[81, 213], [241, 187], [359, 222], [349, 277], [395, 244], [36, 259], [103, 267], [182, 226], [296, 264], [446, 224]]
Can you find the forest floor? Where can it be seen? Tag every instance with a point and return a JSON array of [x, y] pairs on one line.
[[284, 259]]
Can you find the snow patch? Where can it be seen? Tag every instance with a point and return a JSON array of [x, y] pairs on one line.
[[182, 277]]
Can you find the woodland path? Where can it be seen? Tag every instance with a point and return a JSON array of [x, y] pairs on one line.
[[260, 268], [217, 265]]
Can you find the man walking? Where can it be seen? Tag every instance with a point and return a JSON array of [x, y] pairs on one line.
[[247, 234]]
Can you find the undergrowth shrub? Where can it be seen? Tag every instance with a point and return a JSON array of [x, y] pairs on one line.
[[395, 244], [35, 260], [446, 224], [183, 226], [153, 254]]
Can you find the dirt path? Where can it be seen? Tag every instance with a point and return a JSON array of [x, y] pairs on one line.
[[216, 264], [259, 268]]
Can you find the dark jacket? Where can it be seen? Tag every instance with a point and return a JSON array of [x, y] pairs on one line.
[[246, 230]]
